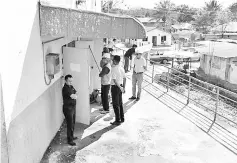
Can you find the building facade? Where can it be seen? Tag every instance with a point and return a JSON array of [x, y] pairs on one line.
[[48, 41]]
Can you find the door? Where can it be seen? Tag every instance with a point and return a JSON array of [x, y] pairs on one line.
[[154, 40], [75, 62]]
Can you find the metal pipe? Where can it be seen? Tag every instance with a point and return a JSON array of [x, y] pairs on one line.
[[45, 42], [217, 102], [152, 80], [189, 86], [168, 81]]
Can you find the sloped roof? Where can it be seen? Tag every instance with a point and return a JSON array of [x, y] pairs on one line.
[[182, 26], [146, 20], [220, 49], [230, 27], [148, 29], [59, 21]]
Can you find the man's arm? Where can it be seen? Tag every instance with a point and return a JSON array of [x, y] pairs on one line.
[[144, 66], [104, 71]]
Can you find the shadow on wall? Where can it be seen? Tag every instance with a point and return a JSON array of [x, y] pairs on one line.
[[36, 115]]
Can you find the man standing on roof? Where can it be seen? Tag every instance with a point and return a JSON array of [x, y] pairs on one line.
[[117, 88], [105, 75], [127, 56], [111, 45], [137, 76]]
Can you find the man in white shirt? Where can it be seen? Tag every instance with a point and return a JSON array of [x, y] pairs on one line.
[[137, 76], [105, 75], [117, 88]]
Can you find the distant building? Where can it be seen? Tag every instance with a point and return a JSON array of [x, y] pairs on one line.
[[219, 59], [148, 22]]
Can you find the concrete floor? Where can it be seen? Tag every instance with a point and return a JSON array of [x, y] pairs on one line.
[[152, 133]]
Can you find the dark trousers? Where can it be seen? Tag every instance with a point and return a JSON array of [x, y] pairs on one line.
[[105, 96], [70, 116], [117, 103], [126, 64]]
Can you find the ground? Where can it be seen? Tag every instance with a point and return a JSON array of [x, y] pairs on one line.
[[156, 129]]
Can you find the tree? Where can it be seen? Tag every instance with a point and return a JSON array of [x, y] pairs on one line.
[[212, 5], [202, 21], [223, 18], [206, 18], [165, 13], [233, 11], [108, 5], [186, 14]]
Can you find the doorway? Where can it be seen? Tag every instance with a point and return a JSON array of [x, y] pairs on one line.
[[154, 40]]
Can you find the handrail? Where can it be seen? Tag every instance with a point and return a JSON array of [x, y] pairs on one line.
[[215, 96], [197, 79]]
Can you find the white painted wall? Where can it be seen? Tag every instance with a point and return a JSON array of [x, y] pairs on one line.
[[33, 110], [159, 33]]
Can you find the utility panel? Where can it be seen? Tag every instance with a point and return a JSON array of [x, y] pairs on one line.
[[52, 64]]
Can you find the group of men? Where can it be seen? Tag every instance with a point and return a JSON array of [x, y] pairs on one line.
[[112, 78]]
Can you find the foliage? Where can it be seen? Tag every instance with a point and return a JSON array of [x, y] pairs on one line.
[[207, 17], [233, 11], [164, 13], [108, 5], [186, 14], [212, 5]]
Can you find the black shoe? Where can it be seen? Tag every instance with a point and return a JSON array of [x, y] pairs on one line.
[[137, 99], [115, 123], [132, 98], [75, 138], [71, 143]]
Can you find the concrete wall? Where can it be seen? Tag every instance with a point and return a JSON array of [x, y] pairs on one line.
[[233, 70], [159, 33], [33, 110], [218, 67]]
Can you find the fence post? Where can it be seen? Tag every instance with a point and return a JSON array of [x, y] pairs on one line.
[[217, 102], [168, 79], [189, 87], [152, 80]]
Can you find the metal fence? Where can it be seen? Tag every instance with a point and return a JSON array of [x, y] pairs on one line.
[[214, 99]]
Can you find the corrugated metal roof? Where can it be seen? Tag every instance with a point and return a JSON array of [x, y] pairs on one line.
[[230, 27], [59, 21], [220, 49], [146, 20]]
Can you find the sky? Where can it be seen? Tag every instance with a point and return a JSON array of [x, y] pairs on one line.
[[151, 3]]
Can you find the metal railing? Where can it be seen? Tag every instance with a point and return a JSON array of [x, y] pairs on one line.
[[219, 101], [172, 79]]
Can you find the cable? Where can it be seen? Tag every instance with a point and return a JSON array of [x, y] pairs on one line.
[[94, 58]]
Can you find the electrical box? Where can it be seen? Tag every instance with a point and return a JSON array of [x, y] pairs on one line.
[[52, 64]]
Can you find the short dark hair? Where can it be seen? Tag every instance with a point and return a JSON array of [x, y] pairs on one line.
[[114, 39], [105, 50], [134, 45], [68, 76], [116, 58]]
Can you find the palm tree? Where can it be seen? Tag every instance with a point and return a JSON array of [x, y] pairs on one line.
[[164, 14], [212, 5]]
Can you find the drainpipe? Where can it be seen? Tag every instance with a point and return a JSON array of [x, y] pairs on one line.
[[4, 145]]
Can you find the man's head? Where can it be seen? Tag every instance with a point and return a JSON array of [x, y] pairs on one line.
[[106, 57], [138, 53], [116, 59], [68, 79], [134, 46], [114, 40]]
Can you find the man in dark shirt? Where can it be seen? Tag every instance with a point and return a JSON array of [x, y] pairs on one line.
[[127, 56], [69, 107]]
